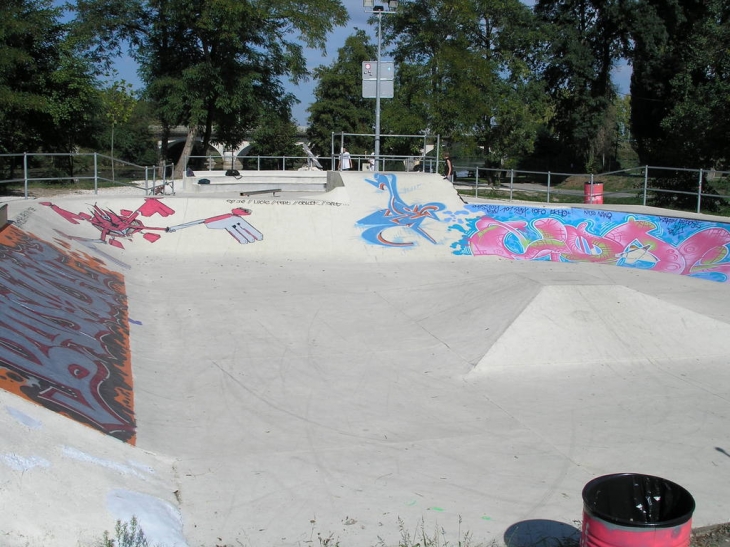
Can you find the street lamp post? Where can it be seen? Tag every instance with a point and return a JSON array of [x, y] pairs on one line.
[[379, 9]]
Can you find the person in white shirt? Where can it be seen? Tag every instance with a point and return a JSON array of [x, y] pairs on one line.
[[345, 160]]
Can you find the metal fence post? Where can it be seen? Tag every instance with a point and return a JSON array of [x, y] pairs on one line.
[[25, 174], [96, 173], [548, 187], [646, 182], [511, 182], [699, 192], [476, 183]]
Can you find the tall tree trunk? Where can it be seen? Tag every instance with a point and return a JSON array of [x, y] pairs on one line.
[[186, 153]]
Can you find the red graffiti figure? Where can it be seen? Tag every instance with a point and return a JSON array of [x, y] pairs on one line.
[[125, 224]]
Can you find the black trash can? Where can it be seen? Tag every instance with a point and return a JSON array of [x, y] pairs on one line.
[[633, 510]]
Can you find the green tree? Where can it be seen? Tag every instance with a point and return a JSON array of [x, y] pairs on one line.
[[118, 102], [681, 83], [585, 39], [465, 72], [339, 106], [625, 151], [276, 136], [72, 101], [47, 91], [31, 49], [134, 141], [212, 64]]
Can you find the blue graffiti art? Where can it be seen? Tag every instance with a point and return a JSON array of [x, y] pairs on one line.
[[398, 214]]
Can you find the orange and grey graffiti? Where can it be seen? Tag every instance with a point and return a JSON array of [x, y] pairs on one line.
[[64, 333]]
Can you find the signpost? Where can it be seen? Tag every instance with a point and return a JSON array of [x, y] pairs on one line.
[[370, 79]]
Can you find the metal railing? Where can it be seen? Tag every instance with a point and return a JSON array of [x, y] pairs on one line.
[[697, 190], [84, 171], [252, 163], [295, 163]]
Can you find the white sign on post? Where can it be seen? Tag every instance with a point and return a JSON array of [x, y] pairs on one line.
[[369, 79]]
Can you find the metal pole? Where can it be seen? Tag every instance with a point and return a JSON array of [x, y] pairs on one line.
[[342, 146], [646, 181], [25, 175], [699, 192], [377, 100], [548, 188]]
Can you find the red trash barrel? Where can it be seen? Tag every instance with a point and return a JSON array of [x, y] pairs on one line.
[[593, 193], [632, 510]]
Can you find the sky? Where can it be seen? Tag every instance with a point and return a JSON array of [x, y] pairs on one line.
[[127, 69]]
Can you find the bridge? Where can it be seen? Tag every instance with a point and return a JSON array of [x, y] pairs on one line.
[[178, 135]]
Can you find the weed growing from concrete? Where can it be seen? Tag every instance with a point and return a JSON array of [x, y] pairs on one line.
[[422, 538], [128, 534]]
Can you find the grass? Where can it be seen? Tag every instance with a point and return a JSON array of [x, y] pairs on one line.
[[130, 534], [617, 190], [422, 538], [17, 188], [127, 534]]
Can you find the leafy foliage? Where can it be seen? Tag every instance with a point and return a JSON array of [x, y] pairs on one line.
[[46, 90], [127, 534], [681, 82], [464, 72], [276, 136], [585, 41], [339, 106], [212, 63]]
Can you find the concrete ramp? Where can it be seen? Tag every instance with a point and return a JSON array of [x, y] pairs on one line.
[[586, 325], [372, 217]]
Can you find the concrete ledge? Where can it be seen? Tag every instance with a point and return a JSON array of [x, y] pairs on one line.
[[253, 181]]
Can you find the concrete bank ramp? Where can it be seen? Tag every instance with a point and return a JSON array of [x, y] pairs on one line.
[[339, 373], [366, 220], [579, 325]]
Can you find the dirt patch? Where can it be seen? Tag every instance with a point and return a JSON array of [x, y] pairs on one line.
[[40, 192], [711, 536]]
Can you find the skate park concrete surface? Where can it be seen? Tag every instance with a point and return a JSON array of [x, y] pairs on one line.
[[279, 371]]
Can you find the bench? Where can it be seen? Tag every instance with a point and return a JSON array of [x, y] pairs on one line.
[[254, 192]]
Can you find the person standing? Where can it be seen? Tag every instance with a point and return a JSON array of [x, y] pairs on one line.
[[345, 160], [449, 174]]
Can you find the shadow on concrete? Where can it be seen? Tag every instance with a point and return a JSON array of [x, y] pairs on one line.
[[541, 533]]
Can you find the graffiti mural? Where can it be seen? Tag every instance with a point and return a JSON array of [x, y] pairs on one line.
[[398, 214], [675, 245], [125, 224], [64, 340]]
